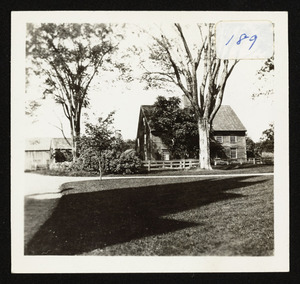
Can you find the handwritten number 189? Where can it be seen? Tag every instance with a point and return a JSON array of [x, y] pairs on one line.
[[242, 37]]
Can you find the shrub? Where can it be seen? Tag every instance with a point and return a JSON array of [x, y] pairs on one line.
[[61, 167], [129, 163], [115, 162], [87, 161], [112, 162]]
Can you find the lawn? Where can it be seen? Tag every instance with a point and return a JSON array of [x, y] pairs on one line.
[[167, 216], [219, 169]]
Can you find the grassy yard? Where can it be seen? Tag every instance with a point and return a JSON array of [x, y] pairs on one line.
[[186, 216], [219, 169]]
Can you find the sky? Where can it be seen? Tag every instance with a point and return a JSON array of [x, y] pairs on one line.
[[126, 98]]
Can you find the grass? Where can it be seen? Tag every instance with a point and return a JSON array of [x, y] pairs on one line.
[[219, 169], [190, 216]]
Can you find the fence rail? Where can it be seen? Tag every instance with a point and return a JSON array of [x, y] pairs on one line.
[[193, 163], [171, 164]]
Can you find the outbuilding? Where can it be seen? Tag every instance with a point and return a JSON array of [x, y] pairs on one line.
[[37, 153]]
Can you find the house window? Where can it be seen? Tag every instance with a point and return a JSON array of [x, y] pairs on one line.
[[138, 142], [145, 139], [233, 153], [219, 139], [233, 139]]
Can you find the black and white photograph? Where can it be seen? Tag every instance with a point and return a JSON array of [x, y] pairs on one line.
[[149, 142]]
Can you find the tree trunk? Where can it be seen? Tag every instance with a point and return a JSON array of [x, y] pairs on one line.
[[100, 170], [204, 145], [74, 150], [75, 135]]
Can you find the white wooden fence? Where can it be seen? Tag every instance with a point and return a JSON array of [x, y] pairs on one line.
[[172, 164]]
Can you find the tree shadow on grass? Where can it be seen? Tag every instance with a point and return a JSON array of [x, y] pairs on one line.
[[87, 221]]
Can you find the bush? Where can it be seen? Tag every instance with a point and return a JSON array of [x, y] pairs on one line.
[[114, 162], [61, 167], [87, 161]]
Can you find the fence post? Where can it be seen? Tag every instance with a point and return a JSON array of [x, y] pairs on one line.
[[184, 164], [149, 165]]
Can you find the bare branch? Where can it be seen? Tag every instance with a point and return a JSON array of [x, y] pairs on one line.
[[199, 54], [175, 68], [221, 88], [184, 43]]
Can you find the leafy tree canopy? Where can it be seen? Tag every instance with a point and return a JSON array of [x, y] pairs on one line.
[[267, 139], [178, 128], [68, 56]]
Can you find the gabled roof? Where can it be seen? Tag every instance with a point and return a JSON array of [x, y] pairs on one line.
[[225, 119], [147, 111], [61, 143], [37, 144]]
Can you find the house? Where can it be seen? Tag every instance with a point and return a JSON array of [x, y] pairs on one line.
[[37, 153], [41, 152], [149, 145], [60, 149], [228, 130]]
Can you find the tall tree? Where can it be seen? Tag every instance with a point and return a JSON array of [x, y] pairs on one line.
[[196, 70], [69, 56]]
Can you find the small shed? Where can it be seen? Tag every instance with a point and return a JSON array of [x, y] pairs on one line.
[[37, 153]]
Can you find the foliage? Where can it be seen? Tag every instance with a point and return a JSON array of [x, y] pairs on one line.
[[101, 150], [112, 162], [62, 167], [98, 138], [178, 128], [264, 74], [69, 56], [190, 63], [62, 156], [116, 163], [267, 140], [128, 144], [250, 147]]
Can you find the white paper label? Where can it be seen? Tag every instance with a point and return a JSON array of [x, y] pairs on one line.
[[244, 39]]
